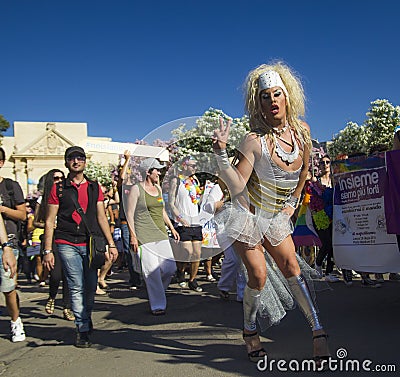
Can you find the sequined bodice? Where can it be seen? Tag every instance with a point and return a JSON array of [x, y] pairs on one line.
[[269, 185]]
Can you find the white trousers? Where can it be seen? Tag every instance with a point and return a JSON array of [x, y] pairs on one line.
[[158, 266], [230, 271]]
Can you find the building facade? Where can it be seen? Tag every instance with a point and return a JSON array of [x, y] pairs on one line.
[[37, 147]]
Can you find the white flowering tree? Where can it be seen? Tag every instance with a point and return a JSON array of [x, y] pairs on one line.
[[197, 141], [351, 140], [383, 118], [100, 173], [375, 133]]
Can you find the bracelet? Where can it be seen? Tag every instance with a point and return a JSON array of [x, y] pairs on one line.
[[112, 222], [112, 246], [293, 202], [7, 244], [223, 159]]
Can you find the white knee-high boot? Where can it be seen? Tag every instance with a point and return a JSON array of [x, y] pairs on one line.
[[251, 301], [302, 295]]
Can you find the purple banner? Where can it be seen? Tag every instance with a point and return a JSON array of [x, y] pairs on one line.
[[354, 186]]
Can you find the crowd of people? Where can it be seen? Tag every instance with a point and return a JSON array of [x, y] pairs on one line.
[[248, 207]]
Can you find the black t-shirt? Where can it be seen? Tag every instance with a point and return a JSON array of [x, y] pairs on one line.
[[123, 192], [5, 200]]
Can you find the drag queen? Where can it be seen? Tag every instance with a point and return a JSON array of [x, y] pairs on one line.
[[266, 186]]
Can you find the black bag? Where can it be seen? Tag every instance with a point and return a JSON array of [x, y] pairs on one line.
[[97, 243], [97, 248]]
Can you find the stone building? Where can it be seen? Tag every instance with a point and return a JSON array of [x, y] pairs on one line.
[[37, 147]]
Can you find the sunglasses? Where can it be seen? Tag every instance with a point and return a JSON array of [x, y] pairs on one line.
[[325, 162], [58, 177], [78, 158]]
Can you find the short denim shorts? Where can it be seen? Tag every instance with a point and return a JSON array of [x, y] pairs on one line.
[[6, 283]]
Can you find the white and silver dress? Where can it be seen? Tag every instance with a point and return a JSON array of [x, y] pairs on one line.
[[268, 189]]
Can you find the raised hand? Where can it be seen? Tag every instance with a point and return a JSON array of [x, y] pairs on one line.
[[221, 134]]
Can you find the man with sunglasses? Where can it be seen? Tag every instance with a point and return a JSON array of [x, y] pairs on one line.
[[71, 237]]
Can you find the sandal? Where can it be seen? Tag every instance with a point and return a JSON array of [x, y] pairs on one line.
[[256, 355], [50, 306], [321, 361], [102, 284], [68, 315], [158, 312], [224, 295]]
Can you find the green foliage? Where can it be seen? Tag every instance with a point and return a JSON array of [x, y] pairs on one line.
[[99, 172], [4, 125], [376, 132]]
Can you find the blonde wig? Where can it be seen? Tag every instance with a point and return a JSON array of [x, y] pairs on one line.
[[294, 101]]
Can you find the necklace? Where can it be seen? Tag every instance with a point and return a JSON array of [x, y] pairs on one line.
[[287, 157], [78, 185], [281, 131], [192, 187]]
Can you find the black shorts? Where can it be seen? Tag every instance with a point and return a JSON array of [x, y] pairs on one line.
[[190, 233]]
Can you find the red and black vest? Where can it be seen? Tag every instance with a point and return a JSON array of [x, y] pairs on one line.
[[67, 229]]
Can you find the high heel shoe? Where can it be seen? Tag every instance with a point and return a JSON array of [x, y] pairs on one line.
[[256, 355], [321, 361], [50, 306], [68, 315]]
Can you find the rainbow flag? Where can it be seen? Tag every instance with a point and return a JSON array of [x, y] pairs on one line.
[[304, 233]]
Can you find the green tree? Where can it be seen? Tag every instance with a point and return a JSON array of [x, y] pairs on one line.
[[4, 125]]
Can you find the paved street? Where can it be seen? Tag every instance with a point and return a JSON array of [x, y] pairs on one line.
[[199, 336]]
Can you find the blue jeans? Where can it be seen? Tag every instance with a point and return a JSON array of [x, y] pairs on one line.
[[134, 277], [82, 283]]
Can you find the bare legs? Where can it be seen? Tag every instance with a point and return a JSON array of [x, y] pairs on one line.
[[191, 252], [285, 257]]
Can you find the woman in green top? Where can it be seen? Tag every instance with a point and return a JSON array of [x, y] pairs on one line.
[[147, 219]]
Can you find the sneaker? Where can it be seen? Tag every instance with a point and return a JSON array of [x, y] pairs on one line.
[[82, 339], [367, 282], [211, 278], [319, 270], [17, 331], [394, 276], [379, 278], [183, 284], [36, 277], [347, 277], [194, 286], [224, 295], [331, 278], [42, 284]]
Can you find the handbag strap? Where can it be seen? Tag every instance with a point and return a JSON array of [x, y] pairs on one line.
[[82, 214]]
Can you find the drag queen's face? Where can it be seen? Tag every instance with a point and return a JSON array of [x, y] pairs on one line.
[[273, 104]]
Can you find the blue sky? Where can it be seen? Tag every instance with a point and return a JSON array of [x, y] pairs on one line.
[[128, 67]]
